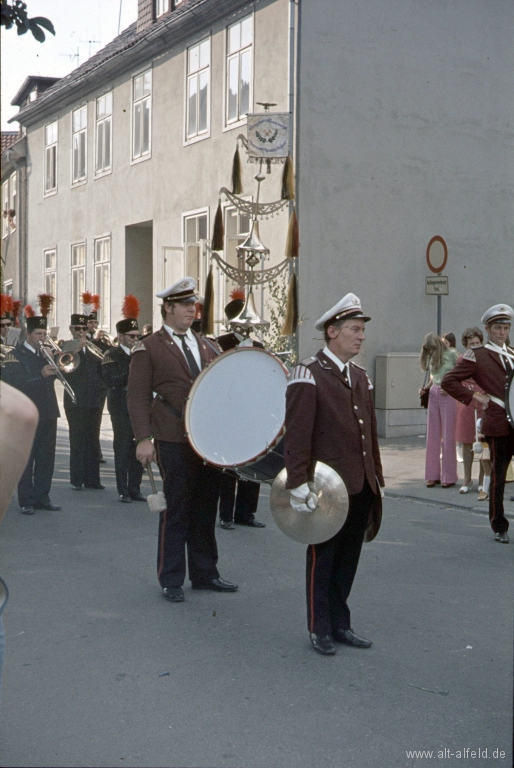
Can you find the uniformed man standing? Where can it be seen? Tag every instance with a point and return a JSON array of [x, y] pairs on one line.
[[115, 374], [166, 363], [490, 367], [330, 417], [27, 370], [84, 416]]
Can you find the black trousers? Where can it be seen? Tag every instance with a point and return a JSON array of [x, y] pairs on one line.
[[331, 568], [240, 506], [191, 490], [502, 451], [84, 426], [36, 481], [129, 471]]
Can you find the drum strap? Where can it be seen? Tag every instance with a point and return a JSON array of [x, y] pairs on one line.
[[497, 401], [211, 345], [171, 407]]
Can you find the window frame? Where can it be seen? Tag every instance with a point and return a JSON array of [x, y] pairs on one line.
[[46, 147], [51, 271], [83, 179], [104, 313], [104, 171], [141, 158], [203, 257], [162, 13], [237, 123], [77, 309], [193, 139]]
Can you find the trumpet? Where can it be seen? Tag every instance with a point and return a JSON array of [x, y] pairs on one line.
[[94, 349], [104, 337], [48, 355]]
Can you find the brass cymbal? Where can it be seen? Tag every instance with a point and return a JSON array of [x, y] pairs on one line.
[[327, 519]]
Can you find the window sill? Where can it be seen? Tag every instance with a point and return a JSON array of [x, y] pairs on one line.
[[79, 183], [239, 124], [196, 139], [101, 174], [137, 160], [50, 193]]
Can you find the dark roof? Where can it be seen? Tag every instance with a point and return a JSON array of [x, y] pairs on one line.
[[188, 18], [8, 139], [43, 83]]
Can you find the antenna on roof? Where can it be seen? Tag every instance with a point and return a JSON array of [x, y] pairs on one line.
[[72, 56], [90, 44]]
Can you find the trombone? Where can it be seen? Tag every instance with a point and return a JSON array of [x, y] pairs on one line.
[[94, 349], [67, 362], [55, 366]]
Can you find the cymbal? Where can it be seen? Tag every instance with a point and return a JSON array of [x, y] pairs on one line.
[[327, 519]]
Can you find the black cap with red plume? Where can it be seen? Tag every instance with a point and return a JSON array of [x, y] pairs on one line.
[[130, 311]]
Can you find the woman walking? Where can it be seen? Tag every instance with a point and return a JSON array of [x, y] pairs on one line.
[[441, 456], [467, 415]]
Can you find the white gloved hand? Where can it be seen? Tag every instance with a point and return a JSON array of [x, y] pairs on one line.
[[302, 499]]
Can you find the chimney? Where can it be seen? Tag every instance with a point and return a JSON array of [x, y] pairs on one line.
[[145, 14]]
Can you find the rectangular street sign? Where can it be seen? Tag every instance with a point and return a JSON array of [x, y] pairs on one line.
[[436, 285]]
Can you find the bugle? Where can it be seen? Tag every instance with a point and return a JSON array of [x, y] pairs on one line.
[[48, 355]]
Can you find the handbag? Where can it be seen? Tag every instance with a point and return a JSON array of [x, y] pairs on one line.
[[425, 390]]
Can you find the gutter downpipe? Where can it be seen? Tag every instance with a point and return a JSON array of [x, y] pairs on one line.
[[293, 267], [19, 225]]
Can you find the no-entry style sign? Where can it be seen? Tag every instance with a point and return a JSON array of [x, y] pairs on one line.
[[437, 254]]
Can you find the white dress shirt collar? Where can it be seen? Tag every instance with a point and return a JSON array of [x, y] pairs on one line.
[[126, 349], [338, 362], [29, 346]]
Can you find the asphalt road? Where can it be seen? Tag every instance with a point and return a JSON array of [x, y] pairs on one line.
[[101, 671]]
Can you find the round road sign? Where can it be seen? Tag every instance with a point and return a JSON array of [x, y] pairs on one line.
[[437, 254]]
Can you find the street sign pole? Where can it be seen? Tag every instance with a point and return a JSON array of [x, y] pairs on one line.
[[439, 314], [437, 256]]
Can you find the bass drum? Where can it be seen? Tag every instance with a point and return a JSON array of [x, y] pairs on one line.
[[235, 412], [266, 469], [509, 399]]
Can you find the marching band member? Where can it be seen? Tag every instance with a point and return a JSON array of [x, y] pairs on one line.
[[330, 417], [27, 370], [489, 366], [6, 316], [166, 363], [115, 372], [84, 416]]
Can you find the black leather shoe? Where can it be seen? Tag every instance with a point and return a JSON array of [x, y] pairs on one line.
[[125, 498], [28, 510], [228, 525], [77, 487], [503, 538], [48, 506], [251, 523], [216, 585], [98, 487], [174, 594], [348, 637], [102, 461], [137, 497], [323, 644]]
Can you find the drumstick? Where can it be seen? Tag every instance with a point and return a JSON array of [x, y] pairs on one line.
[[150, 477]]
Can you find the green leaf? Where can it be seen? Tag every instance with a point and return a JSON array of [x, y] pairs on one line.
[[36, 31], [43, 22]]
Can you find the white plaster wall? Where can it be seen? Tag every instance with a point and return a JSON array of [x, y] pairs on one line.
[[176, 179], [405, 132]]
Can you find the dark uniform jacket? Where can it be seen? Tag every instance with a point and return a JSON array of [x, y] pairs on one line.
[[486, 369], [328, 421], [115, 372], [22, 370], [86, 382], [158, 365]]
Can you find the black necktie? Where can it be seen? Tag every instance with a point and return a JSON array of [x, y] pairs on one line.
[[189, 355]]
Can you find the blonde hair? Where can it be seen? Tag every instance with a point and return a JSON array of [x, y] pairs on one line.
[[432, 352]]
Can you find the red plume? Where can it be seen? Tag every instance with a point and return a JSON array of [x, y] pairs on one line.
[[16, 309], [45, 301], [29, 312], [130, 308], [87, 298], [95, 298], [237, 293], [6, 303]]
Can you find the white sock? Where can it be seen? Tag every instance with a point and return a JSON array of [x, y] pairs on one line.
[[487, 481]]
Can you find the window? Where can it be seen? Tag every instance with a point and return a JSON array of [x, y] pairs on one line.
[[237, 229], [162, 6], [103, 141], [102, 279], [198, 76], [79, 123], [50, 258], [9, 205], [51, 158], [78, 276], [141, 109], [239, 69], [195, 230]]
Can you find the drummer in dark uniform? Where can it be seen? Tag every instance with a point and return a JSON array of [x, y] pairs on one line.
[[330, 417], [30, 372], [166, 363], [490, 367], [115, 372]]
